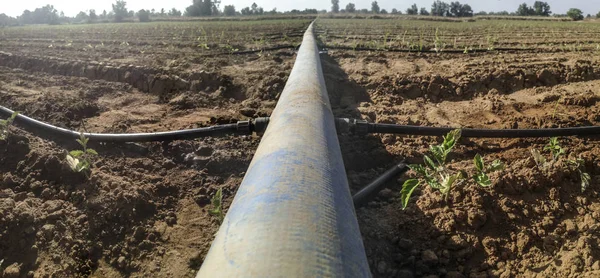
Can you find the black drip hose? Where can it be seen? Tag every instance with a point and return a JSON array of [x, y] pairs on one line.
[[38, 126], [365, 194], [484, 133]]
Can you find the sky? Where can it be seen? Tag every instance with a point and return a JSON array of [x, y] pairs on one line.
[[72, 7]]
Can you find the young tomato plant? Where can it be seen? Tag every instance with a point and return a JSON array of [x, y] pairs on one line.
[[554, 148], [5, 126], [579, 165], [217, 208], [557, 151], [481, 172], [435, 173], [81, 160], [439, 177]]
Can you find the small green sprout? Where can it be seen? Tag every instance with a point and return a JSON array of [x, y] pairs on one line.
[[5, 126], [80, 160], [555, 148], [481, 175], [203, 45], [579, 165], [216, 202], [539, 159]]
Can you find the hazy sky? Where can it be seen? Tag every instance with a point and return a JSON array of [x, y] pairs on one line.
[[72, 7]]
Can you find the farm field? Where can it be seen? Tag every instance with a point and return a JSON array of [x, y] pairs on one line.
[[144, 211]]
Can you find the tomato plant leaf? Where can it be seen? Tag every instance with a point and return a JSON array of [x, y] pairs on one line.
[[407, 189], [478, 162]]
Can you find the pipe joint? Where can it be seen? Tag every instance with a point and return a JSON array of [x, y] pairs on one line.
[[260, 124], [243, 127]]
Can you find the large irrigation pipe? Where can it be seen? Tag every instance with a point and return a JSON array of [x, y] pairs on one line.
[[293, 214]]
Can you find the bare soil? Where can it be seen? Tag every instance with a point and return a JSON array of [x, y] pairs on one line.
[[144, 211], [529, 222]]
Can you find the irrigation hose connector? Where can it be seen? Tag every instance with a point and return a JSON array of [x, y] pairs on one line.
[[352, 126], [259, 125], [243, 127]]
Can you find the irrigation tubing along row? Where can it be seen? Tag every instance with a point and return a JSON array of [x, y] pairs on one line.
[[365, 194], [484, 133], [38, 126]]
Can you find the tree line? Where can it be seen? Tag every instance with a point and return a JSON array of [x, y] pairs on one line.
[[49, 15], [456, 9]]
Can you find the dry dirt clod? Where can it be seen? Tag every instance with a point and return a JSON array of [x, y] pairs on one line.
[[429, 257], [12, 271]]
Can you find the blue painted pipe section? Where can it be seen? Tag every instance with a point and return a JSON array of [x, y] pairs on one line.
[[293, 214]]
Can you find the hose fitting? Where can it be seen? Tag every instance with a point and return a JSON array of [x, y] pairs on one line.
[[243, 127], [259, 125]]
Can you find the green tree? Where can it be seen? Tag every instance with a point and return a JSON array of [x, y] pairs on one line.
[[424, 11], [598, 15], [413, 9], [439, 8], [455, 8], [174, 12], [202, 8], [229, 10], [335, 6], [93, 15], [394, 11], [525, 10], [375, 7], [120, 10], [575, 14], [44, 15], [81, 17], [143, 15], [6, 20], [466, 11], [541, 8], [350, 8]]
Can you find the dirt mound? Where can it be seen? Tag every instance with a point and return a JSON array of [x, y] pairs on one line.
[[158, 82], [465, 85]]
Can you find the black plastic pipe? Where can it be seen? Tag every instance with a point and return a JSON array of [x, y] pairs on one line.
[[365, 194], [36, 126], [483, 133]]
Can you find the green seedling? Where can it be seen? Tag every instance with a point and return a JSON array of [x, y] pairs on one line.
[[491, 41], [555, 148], [481, 175], [579, 165], [231, 49], [539, 159], [80, 161], [5, 126], [439, 43], [435, 173], [216, 202]]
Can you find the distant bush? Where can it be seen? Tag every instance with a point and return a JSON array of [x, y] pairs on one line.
[[575, 14], [143, 15]]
